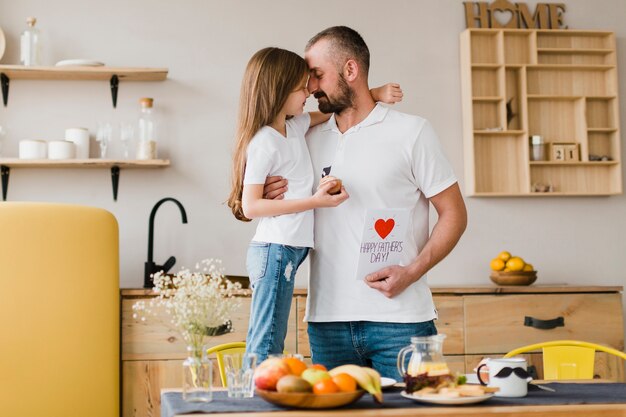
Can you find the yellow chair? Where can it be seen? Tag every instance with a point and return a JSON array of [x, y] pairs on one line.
[[225, 349], [59, 311], [567, 359]]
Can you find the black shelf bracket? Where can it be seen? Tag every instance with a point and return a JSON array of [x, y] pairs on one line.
[[115, 82], [4, 79], [115, 179], [4, 173]]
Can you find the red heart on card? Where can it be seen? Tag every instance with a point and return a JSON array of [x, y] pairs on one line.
[[384, 227]]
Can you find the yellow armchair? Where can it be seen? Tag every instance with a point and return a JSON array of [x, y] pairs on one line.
[[59, 311]]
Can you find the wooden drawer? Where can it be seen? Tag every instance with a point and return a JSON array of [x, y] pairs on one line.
[[157, 339], [495, 324], [450, 323]]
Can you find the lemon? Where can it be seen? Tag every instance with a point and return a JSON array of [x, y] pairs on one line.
[[528, 267], [505, 256], [506, 270], [515, 263], [497, 264]]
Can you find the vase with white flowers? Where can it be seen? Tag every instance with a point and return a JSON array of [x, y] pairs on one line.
[[199, 304]]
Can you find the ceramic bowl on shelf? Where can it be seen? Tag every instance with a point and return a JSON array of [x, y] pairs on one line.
[[513, 278], [308, 400]]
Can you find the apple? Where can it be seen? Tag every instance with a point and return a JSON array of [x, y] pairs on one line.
[[268, 373], [313, 375]]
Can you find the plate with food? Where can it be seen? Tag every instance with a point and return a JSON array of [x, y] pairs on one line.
[[453, 397], [442, 387]]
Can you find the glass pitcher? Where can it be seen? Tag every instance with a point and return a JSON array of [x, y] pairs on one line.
[[424, 355]]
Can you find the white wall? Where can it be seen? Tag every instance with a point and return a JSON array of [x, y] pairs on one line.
[[206, 44]]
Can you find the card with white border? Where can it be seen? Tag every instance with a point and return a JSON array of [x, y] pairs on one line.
[[382, 241]]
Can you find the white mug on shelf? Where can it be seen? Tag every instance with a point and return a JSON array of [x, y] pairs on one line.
[[80, 137], [61, 149], [33, 149], [510, 375]]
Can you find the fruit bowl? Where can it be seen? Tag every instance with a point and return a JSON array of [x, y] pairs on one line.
[[513, 278], [308, 400]]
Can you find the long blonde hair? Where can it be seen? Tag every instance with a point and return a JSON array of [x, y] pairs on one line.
[[271, 75]]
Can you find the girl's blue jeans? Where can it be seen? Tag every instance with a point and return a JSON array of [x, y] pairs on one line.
[[272, 271]]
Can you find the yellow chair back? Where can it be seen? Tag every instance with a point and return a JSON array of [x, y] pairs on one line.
[[568, 362], [59, 311], [225, 349], [567, 359]]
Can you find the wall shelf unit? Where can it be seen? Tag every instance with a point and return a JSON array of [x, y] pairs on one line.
[[113, 164], [112, 74], [558, 84]]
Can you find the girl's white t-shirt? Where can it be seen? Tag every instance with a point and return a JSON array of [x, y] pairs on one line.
[[270, 153]]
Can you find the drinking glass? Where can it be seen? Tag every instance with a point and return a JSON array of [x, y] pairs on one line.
[[239, 368], [103, 137], [127, 134]]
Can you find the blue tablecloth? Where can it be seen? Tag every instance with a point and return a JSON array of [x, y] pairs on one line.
[[172, 402]]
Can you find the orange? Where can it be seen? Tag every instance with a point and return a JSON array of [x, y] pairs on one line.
[[515, 264], [325, 386], [345, 382], [318, 366], [497, 264], [295, 365], [504, 255]]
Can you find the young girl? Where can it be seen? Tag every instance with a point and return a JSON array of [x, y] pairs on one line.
[[270, 141]]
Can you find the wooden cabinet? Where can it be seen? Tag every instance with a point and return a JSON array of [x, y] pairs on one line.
[[489, 322], [557, 84], [478, 321]]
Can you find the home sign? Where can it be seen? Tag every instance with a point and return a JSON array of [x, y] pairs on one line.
[[505, 14]]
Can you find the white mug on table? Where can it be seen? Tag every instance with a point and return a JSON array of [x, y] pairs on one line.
[[510, 375]]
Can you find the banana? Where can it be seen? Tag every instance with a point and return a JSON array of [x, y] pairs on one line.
[[363, 378], [375, 377]]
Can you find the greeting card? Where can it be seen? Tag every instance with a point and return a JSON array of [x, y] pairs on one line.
[[382, 242]]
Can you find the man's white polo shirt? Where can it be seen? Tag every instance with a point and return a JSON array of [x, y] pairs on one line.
[[389, 160]]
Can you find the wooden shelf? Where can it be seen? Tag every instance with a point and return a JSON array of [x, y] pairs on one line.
[[493, 66], [499, 132], [115, 165], [602, 129], [20, 72], [581, 51], [551, 194], [488, 99], [574, 163], [558, 84], [83, 163], [112, 74]]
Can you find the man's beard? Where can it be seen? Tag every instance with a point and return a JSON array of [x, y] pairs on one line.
[[343, 101]]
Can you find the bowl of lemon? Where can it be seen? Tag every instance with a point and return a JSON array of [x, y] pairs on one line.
[[507, 269]]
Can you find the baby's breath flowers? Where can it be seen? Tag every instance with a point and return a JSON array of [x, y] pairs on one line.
[[199, 303]]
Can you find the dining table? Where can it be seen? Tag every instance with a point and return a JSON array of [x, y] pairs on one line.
[[567, 399]]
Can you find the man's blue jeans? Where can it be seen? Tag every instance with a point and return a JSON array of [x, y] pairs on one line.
[[272, 271], [364, 343]]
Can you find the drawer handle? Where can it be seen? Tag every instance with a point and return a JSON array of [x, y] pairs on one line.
[[544, 324], [220, 330]]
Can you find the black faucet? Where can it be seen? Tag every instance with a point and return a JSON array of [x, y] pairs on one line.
[[150, 267]]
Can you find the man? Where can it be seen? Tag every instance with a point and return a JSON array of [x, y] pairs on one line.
[[386, 159]]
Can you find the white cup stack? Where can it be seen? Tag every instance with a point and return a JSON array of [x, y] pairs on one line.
[[80, 137], [33, 149], [61, 149]]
